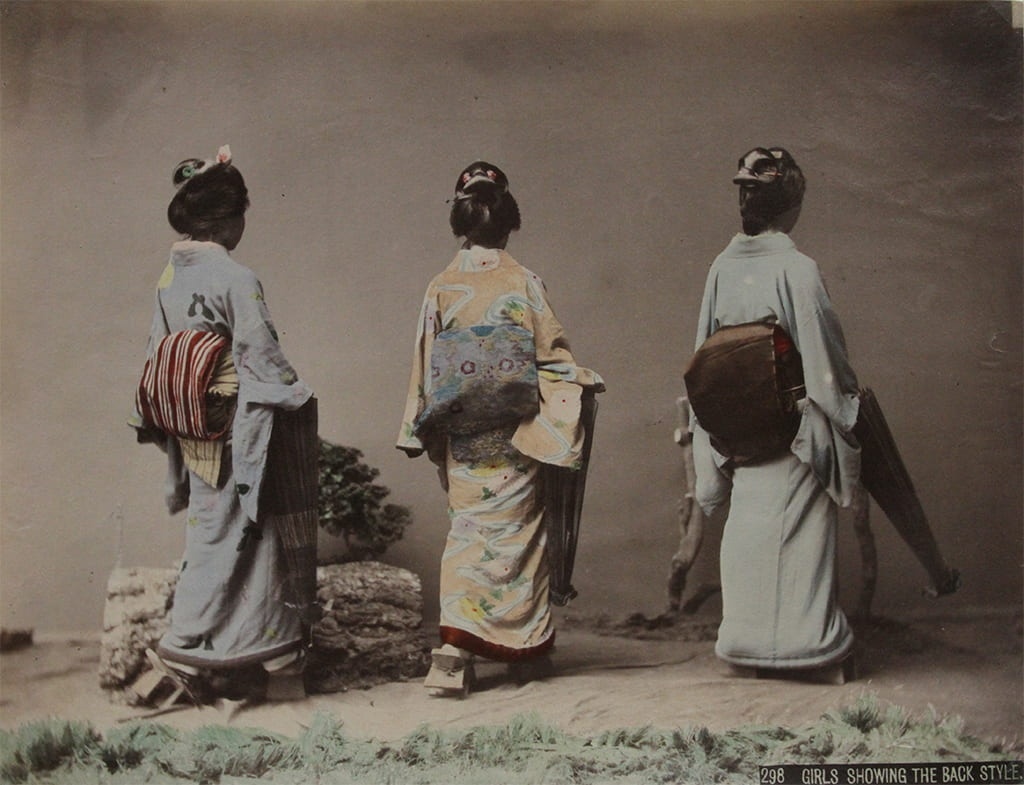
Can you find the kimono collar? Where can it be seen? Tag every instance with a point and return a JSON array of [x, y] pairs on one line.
[[477, 259], [191, 251], [760, 244]]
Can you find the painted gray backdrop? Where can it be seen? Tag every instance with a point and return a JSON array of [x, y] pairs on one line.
[[619, 125]]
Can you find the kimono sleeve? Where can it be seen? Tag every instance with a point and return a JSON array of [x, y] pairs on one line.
[[426, 329], [265, 376], [829, 411], [815, 329], [555, 434], [266, 380], [176, 482]]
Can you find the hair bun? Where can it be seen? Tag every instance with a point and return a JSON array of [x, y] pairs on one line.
[[480, 177], [190, 167]]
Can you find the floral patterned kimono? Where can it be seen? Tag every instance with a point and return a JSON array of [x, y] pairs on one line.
[[230, 605], [494, 572]]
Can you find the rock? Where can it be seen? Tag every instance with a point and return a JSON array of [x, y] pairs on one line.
[[135, 616], [371, 631]]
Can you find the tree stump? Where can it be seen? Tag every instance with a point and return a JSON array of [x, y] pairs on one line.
[[371, 631]]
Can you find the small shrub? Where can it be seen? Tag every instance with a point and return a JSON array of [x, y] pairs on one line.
[[351, 505]]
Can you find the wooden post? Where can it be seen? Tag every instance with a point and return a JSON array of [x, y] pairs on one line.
[[691, 517]]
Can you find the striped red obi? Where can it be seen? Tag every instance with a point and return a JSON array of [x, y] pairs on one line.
[[172, 392]]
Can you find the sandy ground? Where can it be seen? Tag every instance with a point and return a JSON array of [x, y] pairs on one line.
[[969, 667]]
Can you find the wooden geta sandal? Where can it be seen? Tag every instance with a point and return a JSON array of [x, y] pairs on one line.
[[450, 672]]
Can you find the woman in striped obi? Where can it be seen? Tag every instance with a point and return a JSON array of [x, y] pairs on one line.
[[238, 426], [494, 394]]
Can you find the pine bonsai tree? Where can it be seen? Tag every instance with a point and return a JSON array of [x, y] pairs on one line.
[[350, 504]]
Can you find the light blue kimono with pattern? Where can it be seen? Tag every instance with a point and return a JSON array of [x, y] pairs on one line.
[[229, 604]]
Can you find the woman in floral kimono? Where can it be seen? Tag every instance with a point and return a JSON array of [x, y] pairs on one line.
[[221, 399], [494, 394]]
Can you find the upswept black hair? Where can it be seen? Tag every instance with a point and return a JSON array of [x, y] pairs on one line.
[[767, 202], [207, 198], [484, 210]]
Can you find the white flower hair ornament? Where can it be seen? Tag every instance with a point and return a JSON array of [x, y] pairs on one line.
[[190, 167]]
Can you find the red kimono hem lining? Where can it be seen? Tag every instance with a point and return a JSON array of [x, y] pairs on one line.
[[493, 651]]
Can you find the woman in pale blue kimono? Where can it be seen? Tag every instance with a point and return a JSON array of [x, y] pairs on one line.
[[778, 552], [236, 603]]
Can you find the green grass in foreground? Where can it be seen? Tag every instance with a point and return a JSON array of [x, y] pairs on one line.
[[525, 750]]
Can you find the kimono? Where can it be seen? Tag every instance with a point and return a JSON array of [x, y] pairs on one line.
[[230, 605], [494, 583], [778, 549]]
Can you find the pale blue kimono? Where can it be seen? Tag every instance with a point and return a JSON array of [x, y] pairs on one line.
[[229, 604], [778, 553]]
